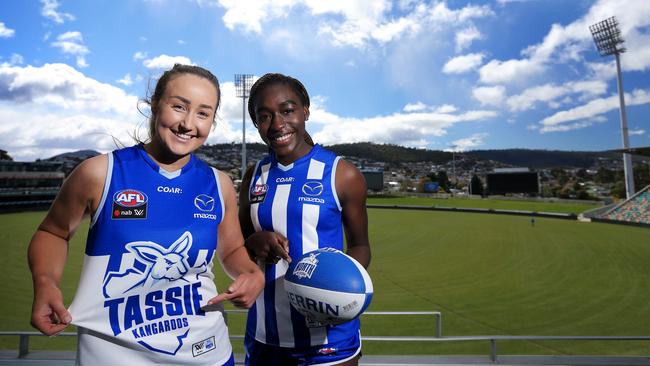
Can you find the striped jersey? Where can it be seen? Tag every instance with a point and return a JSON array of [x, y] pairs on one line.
[[148, 267], [300, 202]]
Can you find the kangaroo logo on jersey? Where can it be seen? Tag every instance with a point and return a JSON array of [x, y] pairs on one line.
[[258, 193], [152, 294], [312, 188], [204, 202], [129, 204], [306, 266]]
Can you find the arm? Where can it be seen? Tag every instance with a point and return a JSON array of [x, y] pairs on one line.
[[267, 246], [48, 249], [249, 279], [351, 190]]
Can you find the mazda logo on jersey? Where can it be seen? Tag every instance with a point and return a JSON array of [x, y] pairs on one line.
[[312, 188], [204, 202], [129, 204]]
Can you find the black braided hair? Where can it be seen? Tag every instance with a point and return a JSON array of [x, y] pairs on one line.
[[273, 79]]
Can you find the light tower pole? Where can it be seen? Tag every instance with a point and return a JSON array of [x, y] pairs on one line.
[[608, 40], [243, 84]]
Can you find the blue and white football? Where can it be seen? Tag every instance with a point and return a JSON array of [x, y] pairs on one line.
[[328, 287]]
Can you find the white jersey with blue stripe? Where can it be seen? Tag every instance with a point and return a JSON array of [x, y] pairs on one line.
[[300, 202], [148, 267]]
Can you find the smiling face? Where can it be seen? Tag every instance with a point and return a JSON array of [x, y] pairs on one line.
[[280, 118], [183, 118]]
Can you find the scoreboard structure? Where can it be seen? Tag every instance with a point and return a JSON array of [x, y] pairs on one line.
[[515, 180], [374, 179]]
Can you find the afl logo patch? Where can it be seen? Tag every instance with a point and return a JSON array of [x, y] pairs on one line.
[[312, 188], [129, 204], [130, 198], [258, 193]]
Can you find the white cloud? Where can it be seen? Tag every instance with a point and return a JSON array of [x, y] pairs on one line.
[[411, 129], [353, 23], [6, 32], [506, 2], [125, 80], [465, 37], [387, 32], [415, 107], [50, 11], [602, 70], [596, 107], [550, 93], [421, 107], [181, 42], [464, 63], [636, 132], [65, 110], [567, 43], [139, 56], [446, 108], [511, 71], [72, 43], [490, 95], [467, 143], [164, 62], [16, 59], [573, 125], [250, 14]]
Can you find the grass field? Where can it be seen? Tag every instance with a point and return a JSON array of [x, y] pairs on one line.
[[487, 274]]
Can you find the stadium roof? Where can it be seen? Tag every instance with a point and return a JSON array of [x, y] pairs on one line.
[[511, 170]]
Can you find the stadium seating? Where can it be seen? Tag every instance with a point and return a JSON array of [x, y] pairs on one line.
[[635, 209]]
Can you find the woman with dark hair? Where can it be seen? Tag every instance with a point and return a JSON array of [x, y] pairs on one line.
[[299, 198], [159, 216]]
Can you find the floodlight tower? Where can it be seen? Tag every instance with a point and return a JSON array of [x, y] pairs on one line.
[[243, 83], [453, 162], [609, 41]]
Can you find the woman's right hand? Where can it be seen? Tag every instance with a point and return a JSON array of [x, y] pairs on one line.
[[49, 315], [268, 246]]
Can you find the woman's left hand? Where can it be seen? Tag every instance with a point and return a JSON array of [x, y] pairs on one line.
[[243, 291]]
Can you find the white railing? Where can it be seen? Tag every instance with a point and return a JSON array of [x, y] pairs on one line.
[[23, 346]]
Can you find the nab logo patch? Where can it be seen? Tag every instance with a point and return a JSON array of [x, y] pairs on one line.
[[204, 202], [312, 188], [202, 347], [258, 193], [129, 204]]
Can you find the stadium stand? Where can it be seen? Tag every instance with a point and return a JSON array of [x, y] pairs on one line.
[[30, 185], [636, 209]]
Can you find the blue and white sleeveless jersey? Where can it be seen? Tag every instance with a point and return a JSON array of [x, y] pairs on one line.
[[148, 267], [300, 202]]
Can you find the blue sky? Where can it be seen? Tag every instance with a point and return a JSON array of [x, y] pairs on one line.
[[435, 74]]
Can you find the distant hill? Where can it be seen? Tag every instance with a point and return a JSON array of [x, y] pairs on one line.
[[75, 155], [536, 159], [543, 158], [390, 153]]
